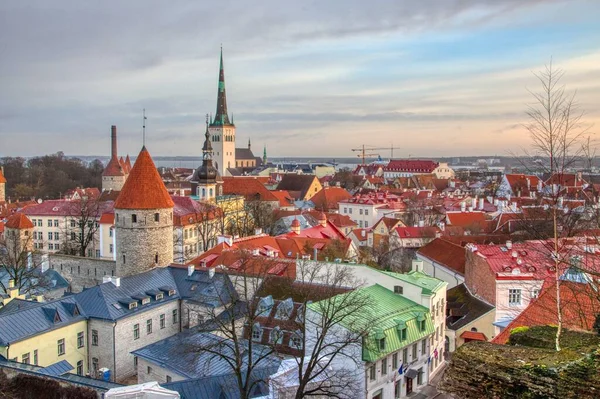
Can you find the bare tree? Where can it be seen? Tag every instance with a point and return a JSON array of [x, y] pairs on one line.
[[556, 129], [19, 263], [82, 225]]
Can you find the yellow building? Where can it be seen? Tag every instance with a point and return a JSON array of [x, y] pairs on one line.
[[44, 333]]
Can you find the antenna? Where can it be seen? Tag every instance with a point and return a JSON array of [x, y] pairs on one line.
[[144, 127]]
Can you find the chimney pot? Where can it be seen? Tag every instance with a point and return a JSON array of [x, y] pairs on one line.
[[113, 141], [190, 270]]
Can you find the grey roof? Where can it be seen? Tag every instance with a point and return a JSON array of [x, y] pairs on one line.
[[58, 368], [39, 283], [463, 308], [182, 353], [17, 304], [243, 153], [238, 311], [30, 369], [221, 386], [32, 320], [107, 301]]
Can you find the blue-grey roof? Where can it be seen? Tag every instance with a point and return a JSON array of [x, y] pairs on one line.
[[17, 304], [37, 318], [183, 354], [58, 368], [98, 385], [238, 311], [221, 386], [38, 283], [107, 301]]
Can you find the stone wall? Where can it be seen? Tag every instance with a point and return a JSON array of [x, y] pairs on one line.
[[148, 372], [114, 183], [145, 243], [82, 272]]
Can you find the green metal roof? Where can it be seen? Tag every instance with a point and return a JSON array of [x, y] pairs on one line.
[[389, 311], [427, 283]]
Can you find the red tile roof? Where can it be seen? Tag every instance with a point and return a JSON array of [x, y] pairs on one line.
[[445, 253], [417, 232], [579, 302], [473, 336], [128, 164], [63, 208], [19, 221], [188, 211], [285, 199], [107, 218], [329, 231], [328, 198], [250, 188], [144, 189], [411, 165], [113, 168], [466, 219], [522, 183]]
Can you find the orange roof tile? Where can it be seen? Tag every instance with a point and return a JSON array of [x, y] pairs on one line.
[[113, 168], [285, 199], [19, 221], [473, 336], [328, 198], [144, 188]]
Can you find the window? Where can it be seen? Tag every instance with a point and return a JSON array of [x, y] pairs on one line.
[[136, 331], [381, 344], [35, 357], [360, 223], [40, 222], [350, 211], [366, 212], [366, 224], [423, 347], [149, 370], [56, 236], [61, 347], [535, 293], [276, 336], [123, 258], [397, 389], [297, 340], [94, 337], [55, 222], [398, 289], [73, 236], [420, 376], [395, 361], [422, 325], [414, 352], [94, 366], [80, 339], [175, 316], [345, 210], [72, 222], [256, 332], [49, 235], [135, 361], [25, 358], [169, 379], [384, 366], [134, 218], [157, 217], [162, 321], [50, 246], [372, 373], [110, 232], [97, 253], [80, 367], [111, 248], [49, 223], [514, 297], [149, 326], [360, 211], [56, 246], [405, 356]]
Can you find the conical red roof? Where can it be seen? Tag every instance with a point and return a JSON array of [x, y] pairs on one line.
[[113, 168], [144, 188], [19, 221]]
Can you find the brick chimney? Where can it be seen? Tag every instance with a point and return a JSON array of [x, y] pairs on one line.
[[113, 141]]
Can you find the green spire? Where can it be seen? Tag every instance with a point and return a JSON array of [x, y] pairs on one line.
[[221, 117]]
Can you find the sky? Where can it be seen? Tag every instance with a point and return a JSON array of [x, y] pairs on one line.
[[305, 78]]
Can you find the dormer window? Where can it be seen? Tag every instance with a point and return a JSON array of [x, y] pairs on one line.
[[133, 305], [171, 292], [145, 301], [256, 332], [398, 289], [285, 308], [159, 296], [296, 340], [276, 336], [381, 344], [421, 321]]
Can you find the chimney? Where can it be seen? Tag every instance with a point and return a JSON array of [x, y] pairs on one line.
[[190, 270], [106, 279], [257, 231], [481, 204], [509, 244], [11, 283], [463, 206], [225, 239], [470, 209], [39, 298], [113, 141], [211, 272], [45, 263], [421, 223], [315, 253], [116, 281], [29, 260]]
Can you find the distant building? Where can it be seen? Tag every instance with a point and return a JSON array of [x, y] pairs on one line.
[[116, 171]]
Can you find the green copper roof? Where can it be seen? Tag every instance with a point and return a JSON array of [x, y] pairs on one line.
[[427, 283], [392, 313]]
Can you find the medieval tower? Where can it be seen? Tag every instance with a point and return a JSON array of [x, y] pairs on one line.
[[2, 185], [222, 129], [116, 171], [143, 220], [19, 238]]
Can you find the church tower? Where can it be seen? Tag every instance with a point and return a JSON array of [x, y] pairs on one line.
[[222, 130], [204, 180], [143, 220]]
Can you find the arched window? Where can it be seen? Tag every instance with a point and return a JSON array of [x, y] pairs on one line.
[[474, 329], [211, 192], [203, 192]]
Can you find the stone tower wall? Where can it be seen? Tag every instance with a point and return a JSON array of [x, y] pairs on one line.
[[114, 183], [223, 151], [2, 192], [138, 243], [18, 241]]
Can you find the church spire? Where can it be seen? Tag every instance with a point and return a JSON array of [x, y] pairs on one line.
[[207, 150], [265, 155], [221, 117]]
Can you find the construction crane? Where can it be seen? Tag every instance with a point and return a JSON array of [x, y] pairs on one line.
[[365, 151]]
